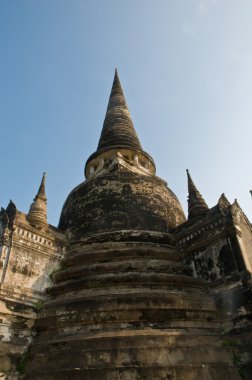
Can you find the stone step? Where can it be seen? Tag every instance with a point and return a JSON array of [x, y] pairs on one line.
[[129, 300], [52, 333], [139, 338], [124, 357], [67, 297], [88, 319], [133, 278], [122, 266], [85, 255], [218, 371]]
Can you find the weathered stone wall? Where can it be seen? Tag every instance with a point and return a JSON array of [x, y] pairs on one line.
[[214, 261], [210, 247], [28, 256], [218, 250], [244, 234]]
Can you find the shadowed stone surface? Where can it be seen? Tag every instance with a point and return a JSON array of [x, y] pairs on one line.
[[121, 200]]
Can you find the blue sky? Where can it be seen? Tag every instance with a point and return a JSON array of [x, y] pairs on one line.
[[186, 70]]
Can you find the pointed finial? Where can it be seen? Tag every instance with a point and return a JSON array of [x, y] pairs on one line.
[[191, 185], [11, 211], [197, 206], [223, 202], [41, 190], [37, 215], [118, 129]]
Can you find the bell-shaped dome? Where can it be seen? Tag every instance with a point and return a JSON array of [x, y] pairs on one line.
[[121, 200]]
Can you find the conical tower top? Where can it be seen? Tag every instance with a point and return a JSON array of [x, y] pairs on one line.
[[197, 206], [118, 129], [118, 136], [37, 215], [41, 190]]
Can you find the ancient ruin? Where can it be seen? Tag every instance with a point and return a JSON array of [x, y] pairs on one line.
[[126, 287]]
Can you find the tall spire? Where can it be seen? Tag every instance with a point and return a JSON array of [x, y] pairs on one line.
[[118, 129], [37, 215], [118, 141], [41, 190], [197, 206]]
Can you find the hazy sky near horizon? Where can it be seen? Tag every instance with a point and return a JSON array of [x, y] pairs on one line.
[[186, 70]]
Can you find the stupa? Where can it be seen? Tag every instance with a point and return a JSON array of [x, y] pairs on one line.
[[124, 304], [126, 287]]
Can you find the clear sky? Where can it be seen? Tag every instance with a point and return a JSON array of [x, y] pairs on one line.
[[186, 70]]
